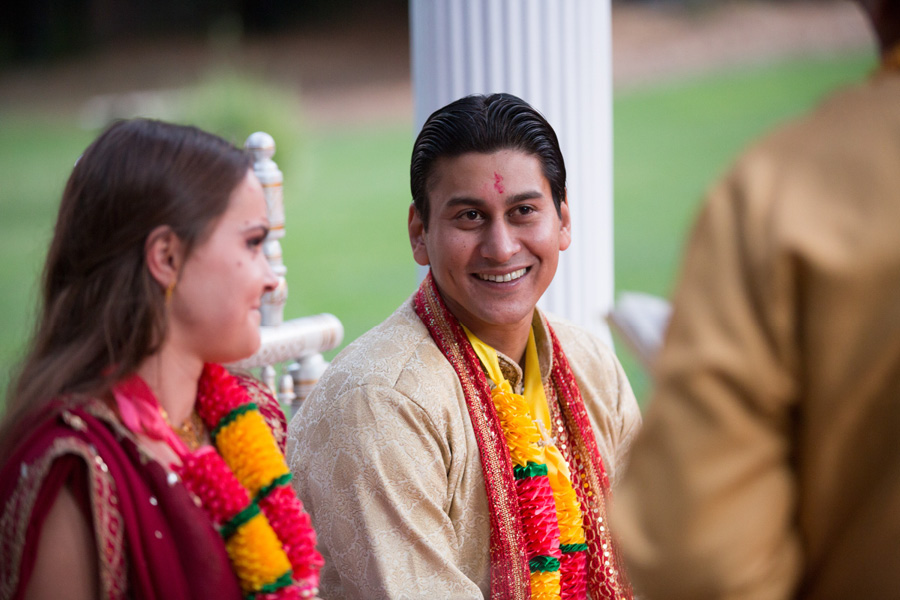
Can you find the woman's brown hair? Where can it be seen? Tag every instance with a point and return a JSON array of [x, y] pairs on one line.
[[102, 312]]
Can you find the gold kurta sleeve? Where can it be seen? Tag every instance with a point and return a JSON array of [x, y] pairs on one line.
[[382, 490], [389, 471]]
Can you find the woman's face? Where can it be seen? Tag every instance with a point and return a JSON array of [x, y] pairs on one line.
[[214, 311]]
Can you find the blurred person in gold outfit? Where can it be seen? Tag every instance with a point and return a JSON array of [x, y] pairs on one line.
[[769, 462]]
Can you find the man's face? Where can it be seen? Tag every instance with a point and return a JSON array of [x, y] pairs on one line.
[[493, 237]]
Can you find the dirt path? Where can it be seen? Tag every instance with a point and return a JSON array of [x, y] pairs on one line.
[[665, 43], [360, 72]]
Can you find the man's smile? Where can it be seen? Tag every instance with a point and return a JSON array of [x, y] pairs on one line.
[[502, 278]]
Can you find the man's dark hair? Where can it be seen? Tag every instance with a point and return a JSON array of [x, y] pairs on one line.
[[485, 124]]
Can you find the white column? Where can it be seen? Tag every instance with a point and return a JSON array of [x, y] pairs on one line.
[[556, 55]]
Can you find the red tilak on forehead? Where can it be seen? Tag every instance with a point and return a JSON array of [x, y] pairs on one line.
[[498, 182]]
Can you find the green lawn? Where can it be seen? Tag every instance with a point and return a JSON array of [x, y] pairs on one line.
[[36, 155], [347, 193]]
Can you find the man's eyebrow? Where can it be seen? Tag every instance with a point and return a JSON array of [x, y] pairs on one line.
[[531, 195], [458, 201]]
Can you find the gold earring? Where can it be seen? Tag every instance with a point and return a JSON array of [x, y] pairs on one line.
[[170, 289]]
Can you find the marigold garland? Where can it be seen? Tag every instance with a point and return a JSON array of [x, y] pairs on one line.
[[536, 505], [244, 488], [549, 509], [245, 444]]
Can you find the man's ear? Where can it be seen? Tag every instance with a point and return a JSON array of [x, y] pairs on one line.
[[164, 255], [565, 224], [416, 228]]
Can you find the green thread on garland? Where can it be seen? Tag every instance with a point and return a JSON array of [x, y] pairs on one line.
[[283, 581], [228, 529], [268, 489], [230, 418], [543, 563], [530, 470], [572, 547]]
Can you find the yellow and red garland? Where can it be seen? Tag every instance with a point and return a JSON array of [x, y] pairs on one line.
[[244, 487], [548, 506]]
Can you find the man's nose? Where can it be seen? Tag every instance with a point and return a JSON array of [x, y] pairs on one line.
[[500, 242]]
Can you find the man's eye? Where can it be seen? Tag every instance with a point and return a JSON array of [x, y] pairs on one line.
[[470, 215], [524, 210]]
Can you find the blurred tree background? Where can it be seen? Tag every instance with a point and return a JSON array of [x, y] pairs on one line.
[[45, 29], [330, 81]]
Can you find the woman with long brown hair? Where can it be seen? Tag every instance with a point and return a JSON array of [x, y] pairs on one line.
[[133, 464]]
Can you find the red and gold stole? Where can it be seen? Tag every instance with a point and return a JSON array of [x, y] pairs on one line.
[[510, 572]]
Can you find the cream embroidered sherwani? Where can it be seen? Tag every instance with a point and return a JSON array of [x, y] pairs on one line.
[[386, 462], [769, 463]]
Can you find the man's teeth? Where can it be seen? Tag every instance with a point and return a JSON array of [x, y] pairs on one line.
[[502, 278]]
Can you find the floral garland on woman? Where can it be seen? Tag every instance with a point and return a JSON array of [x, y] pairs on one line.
[[243, 485]]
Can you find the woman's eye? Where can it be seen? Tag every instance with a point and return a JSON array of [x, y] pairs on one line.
[[256, 242]]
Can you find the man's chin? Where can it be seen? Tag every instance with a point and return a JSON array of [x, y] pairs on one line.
[[501, 318], [486, 308]]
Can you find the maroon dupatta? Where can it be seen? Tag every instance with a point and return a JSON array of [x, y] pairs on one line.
[[153, 542]]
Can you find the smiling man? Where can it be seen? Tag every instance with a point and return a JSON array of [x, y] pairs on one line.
[[464, 448]]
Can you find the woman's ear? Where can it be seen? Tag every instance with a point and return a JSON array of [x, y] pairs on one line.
[[164, 255]]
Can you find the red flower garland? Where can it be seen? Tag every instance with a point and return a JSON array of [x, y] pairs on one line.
[[244, 489]]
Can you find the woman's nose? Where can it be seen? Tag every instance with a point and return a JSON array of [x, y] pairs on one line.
[[270, 280]]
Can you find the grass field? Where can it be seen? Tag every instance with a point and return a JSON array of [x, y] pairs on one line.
[[346, 193]]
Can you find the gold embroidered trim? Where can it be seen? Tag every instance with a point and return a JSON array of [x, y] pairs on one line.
[[497, 464], [591, 489], [108, 526], [262, 398]]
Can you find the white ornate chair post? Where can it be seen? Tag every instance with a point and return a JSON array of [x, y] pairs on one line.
[[298, 342]]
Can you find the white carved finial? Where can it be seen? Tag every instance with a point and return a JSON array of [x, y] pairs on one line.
[[311, 369], [261, 145], [300, 340], [268, 376], [286, 393]]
